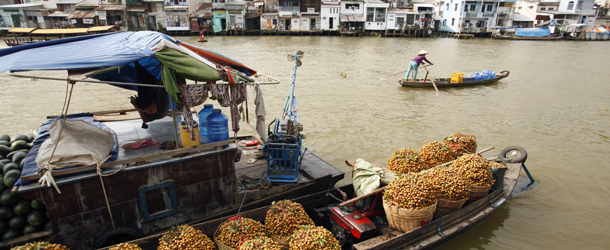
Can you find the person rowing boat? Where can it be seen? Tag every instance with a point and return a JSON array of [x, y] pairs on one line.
[[414, 64]]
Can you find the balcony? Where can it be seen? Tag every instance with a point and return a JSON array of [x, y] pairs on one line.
[[289, 11], [503, 10]]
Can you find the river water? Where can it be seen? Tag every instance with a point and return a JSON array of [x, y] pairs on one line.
[[554, 104]]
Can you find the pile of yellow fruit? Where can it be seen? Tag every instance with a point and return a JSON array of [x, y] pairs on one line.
[[238, 230], [313, 238], [185, 237], [411, 192], [263, 243], [406, 160], [126, 246], [435, 153], [474, 170], [461, 143], [40, 246], [448, 183], [284, 217]]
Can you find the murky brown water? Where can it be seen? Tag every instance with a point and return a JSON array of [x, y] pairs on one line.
[[554, 104]]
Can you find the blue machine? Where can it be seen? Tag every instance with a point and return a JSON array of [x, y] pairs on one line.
[[284, 147]]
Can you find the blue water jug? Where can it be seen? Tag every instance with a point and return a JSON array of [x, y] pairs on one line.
[[218, 126], [203, 122]]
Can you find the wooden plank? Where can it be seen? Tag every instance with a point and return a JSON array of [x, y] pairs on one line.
[[125, 161], [25, 239], [118, 111]]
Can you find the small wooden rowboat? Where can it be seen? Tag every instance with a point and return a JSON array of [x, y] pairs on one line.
[[446, 82], [320, 207]]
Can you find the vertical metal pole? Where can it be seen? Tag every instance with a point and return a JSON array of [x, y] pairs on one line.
[[171, 104], [528, 174]]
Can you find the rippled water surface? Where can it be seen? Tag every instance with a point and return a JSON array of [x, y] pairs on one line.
[[554, 104]]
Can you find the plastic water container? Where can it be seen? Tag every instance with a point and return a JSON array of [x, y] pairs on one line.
[[185, 136], [203, 122], [218, 126]]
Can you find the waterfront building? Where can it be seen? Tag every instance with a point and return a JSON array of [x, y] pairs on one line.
[[201, 18], [603, 13], [219, 16], [376, 14], [401, 19], [14, 15], [310, 15], [112, 12], [330, 15], [84, 15], [289, 15], [469, 16], [352, 16], [254, 11], [426, 13], [269, 18], [156, 14], [176, 14], [236, 13]]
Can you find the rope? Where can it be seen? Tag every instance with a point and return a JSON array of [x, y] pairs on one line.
[[99, 172], [47, 176]]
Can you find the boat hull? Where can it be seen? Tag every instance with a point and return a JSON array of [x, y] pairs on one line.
[[446, 82]]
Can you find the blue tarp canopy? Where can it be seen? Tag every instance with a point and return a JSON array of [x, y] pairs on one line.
[[117, 49], [533, 32]]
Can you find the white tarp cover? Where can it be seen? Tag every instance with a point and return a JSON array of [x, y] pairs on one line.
[[367, 177], [81, 143]]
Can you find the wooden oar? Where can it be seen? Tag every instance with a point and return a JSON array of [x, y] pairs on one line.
[[393, 74], [432, 80], [383, 188]]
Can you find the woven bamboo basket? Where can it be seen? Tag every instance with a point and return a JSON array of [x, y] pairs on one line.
[[220, 245], [445, 207], [285, 243], [477, 192], [406, 220]]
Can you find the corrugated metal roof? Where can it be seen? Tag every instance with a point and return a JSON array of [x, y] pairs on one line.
[[88, 3], [58, 14], [21, 30], [101, 28], [111, 7], [60, 31], [21, 5], [521, 18], [81, 14], [352, 18]]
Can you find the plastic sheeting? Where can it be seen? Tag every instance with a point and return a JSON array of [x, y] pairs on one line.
[[367, 177], [533, 32]]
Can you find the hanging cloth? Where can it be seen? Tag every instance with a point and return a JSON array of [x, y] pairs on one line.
[[260, 113], [171, 83]]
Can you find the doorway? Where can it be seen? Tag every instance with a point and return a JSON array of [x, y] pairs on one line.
[[330, 22]]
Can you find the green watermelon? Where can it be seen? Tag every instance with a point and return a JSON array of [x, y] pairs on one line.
[[5, 161], [18, 221], [18, 157], [5, 137], [36, 218], [8, 199], [37, 204], [47, 225], [10, 155], [31, 137], [11, 234], [10, 166], [29, 229], [5, 143], [22, 207], [19, 144], [1, 183], [4, 150], [19, 137], [5, 212], [11, 177], [3, 226]]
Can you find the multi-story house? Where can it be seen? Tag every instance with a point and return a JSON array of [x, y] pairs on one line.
[[269, 18], [376, 15], [289, 14], [219, 16], [352, 16], [531, 9], [155, 13], [236, 13], [603, 13], [111, 12], [201, 18], [176, 15], [426, 14], [400, 19], [330, 15], [470, 16], [14, 15], [84, 14], [310, 15], [570, 12]]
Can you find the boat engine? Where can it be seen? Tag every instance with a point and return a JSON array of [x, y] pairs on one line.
[[357, 221]]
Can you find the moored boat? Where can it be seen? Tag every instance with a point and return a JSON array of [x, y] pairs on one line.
[[446, 82], [144, 190], [354, 229]]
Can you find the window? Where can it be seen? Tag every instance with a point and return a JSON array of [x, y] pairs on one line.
[[579, 5], [473, 7], [447, 6], [453, 21], [352, 6], [571, 5], [490, 7], [370, 14], [543, 8], [456, 5], [465, 7], [550, 8], [445, 22]]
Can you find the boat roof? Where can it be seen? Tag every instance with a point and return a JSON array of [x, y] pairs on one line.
[[119, 50]]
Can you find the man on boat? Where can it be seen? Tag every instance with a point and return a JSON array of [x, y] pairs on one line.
[[152, 103], [414, 65]]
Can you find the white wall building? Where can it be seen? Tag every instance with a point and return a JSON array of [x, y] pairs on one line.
[[399, 19], [584, 8], [469, 15], [330, 14], [451, 15], [352, 15], [376, 14], [236, 15]]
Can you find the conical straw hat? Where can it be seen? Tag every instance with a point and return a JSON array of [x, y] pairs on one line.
[[422, 52]]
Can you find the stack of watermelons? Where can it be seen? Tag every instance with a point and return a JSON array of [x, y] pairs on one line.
[[17, 216]]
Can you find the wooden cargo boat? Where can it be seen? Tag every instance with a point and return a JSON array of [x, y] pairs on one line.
[[535, 38], [434, 233], [145, 191], [446, 82]]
